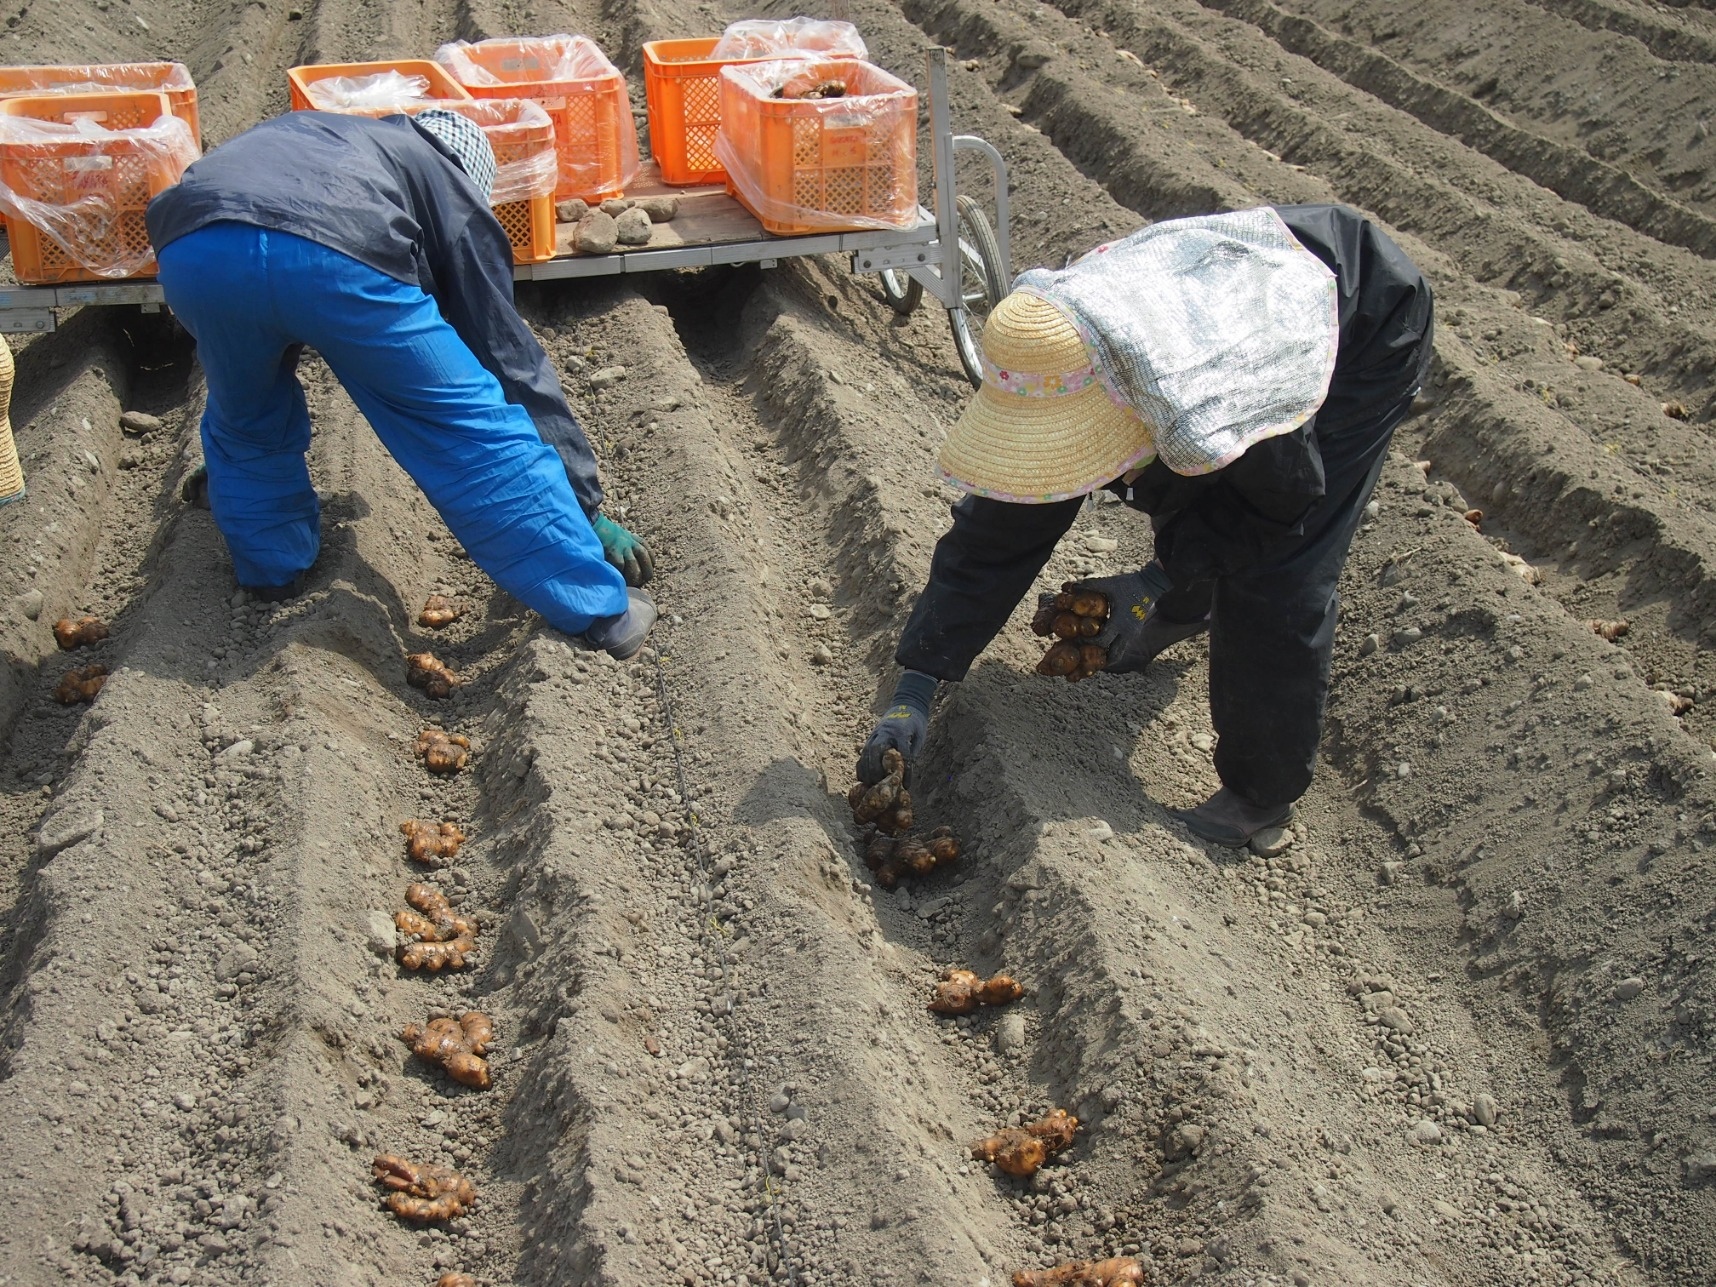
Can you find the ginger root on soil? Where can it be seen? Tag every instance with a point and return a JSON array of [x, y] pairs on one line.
[[1072, 617], [424, 670], [1020, 1151], [458, 1045], [1116, 1271], [444, 938], [431, 844], [81, 633], [961, 992], [1611, 630], [465, 1280], [1676, 411], [891, 857], [443, 752], [80, 684], [887, 806], [423, 1191], [438, 611]]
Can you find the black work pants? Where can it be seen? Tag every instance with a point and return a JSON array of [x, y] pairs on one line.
[[1272, 629]]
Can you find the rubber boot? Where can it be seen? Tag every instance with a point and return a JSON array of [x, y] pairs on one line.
[[623, 637], [1230, 820]]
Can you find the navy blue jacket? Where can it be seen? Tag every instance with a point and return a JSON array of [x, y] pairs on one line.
[[387, 193]]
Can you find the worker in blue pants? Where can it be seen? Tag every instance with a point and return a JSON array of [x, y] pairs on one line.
[[372, 242]]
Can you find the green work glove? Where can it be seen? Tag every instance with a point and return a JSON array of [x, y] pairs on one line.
[[625, 551]]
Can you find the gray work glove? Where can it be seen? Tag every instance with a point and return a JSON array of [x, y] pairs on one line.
[[903, 726], [1132, 634]]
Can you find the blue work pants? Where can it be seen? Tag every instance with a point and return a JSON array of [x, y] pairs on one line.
[[253, 298]]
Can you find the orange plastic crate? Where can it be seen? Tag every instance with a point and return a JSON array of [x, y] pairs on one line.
[[683, 87], [822, 165], [520, 133], [99, 186], [171, 79], [441, 85], [592, 115]]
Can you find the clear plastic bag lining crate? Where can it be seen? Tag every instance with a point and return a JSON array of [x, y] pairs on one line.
[[810, 163], [522, 135], [766, 37], [555, 58], [378, 89], [96, 78], [95, 176]]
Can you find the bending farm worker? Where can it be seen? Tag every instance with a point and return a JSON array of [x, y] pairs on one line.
[[372, 241], [1238, 378]]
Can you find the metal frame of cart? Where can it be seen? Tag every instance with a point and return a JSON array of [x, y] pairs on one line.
[[953, 252]]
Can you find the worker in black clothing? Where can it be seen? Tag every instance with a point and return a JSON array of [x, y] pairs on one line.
[[1237, 377]]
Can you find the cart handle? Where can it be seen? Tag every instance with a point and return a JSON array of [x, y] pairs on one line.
[[971, 143]]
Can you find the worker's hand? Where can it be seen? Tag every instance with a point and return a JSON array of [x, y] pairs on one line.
[[1132, 634], [624, 550], [904, 726]]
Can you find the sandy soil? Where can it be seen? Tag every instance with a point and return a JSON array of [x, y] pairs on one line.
[[1458, 1031]]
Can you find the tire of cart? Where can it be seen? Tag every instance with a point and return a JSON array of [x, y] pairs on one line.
[[980, 286], [902, 291]]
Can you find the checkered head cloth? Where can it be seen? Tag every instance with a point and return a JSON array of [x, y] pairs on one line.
[[466, 141]]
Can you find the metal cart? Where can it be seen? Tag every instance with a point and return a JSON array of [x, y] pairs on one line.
[[954, 251]]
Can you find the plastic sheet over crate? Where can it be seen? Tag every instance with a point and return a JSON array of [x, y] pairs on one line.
[[77, 172], [831, 164], [388, 83], [682, 82], [582, 91], [171, 79]]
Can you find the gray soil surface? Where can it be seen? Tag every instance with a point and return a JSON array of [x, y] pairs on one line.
[[1457, 1029]]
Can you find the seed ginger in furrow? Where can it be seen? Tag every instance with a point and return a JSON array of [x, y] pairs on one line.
[[886, 808]]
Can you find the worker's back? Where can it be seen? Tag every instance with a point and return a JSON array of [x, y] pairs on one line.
[[381, 191]]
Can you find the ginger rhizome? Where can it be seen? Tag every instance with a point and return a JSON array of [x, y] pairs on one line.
[[438, 611], [424, 670], [455, 1280], [443, 937], [458, 1045], [1073, 617], [1021, 1150], [432, 844], [961, 992], [808, 87], [892, 857], [1116, 1271], [81, 633], [443, 752], [423, 1191], [80, 685], [887, 805], [1611, 630]]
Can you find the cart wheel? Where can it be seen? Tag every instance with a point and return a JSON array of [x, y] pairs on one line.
[[902, 291], [980, 286]]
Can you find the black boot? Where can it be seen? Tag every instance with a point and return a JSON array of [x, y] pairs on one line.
[[1230, 820]]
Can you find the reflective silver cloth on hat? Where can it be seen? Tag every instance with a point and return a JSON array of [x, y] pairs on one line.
[[1220, 330]]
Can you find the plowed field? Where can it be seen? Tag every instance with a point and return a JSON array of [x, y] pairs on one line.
[[1460, 1031]]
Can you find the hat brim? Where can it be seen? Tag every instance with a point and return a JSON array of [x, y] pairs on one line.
[[1037, 450]]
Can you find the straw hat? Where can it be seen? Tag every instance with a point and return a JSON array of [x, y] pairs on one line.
[[1042, 427]]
